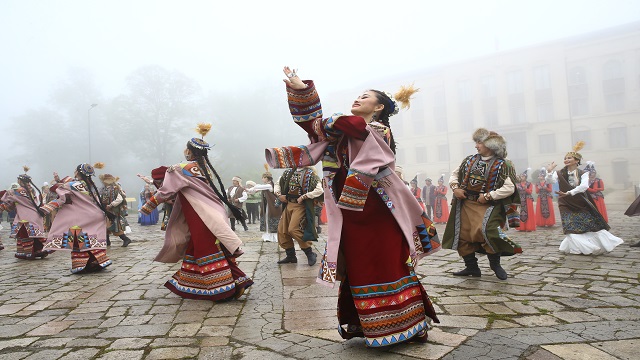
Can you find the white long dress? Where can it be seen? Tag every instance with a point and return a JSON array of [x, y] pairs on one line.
[[588, 243]]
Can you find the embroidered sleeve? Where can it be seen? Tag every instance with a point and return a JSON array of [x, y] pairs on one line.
[[355, 190], [290, 157]]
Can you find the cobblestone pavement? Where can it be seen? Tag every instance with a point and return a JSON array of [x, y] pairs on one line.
[[553, 306]]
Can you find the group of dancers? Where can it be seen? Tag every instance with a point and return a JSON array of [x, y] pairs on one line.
[[378, 229]]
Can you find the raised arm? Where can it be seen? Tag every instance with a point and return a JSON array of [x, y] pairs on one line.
[[173, 182]]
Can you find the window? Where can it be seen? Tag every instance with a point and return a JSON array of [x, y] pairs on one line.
[[421, 154], [612, 69], [618, 136], [488, 86], [577, 76], [440, 111], [443, 152], [518, 115], [583, 134], [466, 116], [464, 90], [547, 143], [544, 111], [541, 77], [419, 127], [613, 86], [578, 91], [514, 82], [491, 117]]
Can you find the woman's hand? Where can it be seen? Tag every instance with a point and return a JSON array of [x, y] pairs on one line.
[[482, 199], [551, 166], [459, 194], [282, 198], [562, 194], [292, 79]]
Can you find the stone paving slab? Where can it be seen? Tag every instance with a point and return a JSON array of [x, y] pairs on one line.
[[553, 306]]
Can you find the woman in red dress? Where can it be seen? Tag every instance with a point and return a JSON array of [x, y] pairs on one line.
[[596, 187], [441, 211], [545, 215], [527, 216], [198, 232], [415, 190], [380, 298]]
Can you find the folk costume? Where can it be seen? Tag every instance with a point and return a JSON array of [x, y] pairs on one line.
[[80, 225], [237, 195], [48, 196], [252, 203], [198, 232], [377, 231], [270, 208], [415, 190], [429, 197], [584, 227], [475, 226], [113, 198], [596, 187], [28, 224], [298, 218], [527, 215], [441, 209], [545, 214], [152, 218]]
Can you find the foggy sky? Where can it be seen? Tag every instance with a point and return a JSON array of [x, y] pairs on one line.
[[236, 46]]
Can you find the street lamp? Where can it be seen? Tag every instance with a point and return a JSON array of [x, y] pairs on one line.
[[89, 128]]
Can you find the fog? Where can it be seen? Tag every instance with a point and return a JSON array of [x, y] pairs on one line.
[[154, 69]]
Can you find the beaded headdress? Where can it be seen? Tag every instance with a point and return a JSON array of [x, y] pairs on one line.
[[590, 167], [25, 177], [88, 170], [202, 129], [441, 178]]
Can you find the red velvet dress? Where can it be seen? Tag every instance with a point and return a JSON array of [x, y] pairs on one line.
[[441, 210], [545, 215], [596, 186], [417, 194], [527, 216]]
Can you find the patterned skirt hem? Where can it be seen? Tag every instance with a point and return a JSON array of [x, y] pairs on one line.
[[397, 338], [224, 293]]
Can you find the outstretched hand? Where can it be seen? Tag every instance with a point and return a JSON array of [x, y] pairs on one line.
[[292, 79], [551, 166]]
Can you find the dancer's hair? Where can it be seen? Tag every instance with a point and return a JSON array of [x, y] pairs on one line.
[[28, 182], [202, 158], [94, 193], [386, 112]]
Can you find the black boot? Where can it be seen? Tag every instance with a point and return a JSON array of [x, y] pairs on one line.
[[494, 263], [311, 256], [291, 257], [471, 269], [125, 240], [108, 241], [636, 244]]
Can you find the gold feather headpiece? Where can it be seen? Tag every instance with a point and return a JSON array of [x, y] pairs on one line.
[[266, 173], [202, 129], [98, 165], [404, 95], [24, 176], [25, 168], [577, 147]]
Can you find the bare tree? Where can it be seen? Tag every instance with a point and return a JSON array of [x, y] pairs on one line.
[[155, 113]]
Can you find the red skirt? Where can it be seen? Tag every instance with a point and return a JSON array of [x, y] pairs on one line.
[[441, 211], [27, 246], [545, 215], [530, 223], [208, 271], [602, 208], [381, 298]]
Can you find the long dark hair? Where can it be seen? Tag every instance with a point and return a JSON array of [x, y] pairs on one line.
[[28, 182], [202, 158], [383, 118], [94, 193]]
